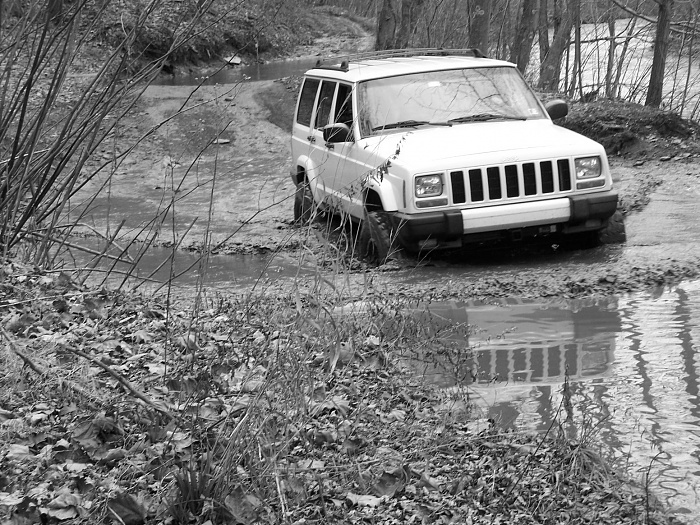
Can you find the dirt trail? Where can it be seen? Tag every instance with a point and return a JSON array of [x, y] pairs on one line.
[[218, 145]]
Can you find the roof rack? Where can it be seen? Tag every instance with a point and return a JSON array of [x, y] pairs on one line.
[[342, 63]]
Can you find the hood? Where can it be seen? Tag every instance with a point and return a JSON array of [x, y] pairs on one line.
[[479, 142]]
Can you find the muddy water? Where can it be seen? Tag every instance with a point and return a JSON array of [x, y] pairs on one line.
[[151, 268], [633, 368], [234, 74]]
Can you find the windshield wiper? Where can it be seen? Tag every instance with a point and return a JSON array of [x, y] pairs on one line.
[[483, 117], [410, 124]]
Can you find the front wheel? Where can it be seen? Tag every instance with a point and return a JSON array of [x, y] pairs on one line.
[[376, 241], [303, 204], [614, 231]]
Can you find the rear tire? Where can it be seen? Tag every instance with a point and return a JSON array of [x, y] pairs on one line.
[[376, 241], [303, 204]]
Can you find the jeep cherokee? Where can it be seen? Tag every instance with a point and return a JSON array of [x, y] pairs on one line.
[[431, 149]]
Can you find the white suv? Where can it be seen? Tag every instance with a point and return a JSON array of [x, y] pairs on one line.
[[430, 149]]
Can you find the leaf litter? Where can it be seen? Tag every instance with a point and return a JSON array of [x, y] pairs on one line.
[[115, 407]]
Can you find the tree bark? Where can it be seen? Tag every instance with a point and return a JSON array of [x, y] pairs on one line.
[[609, 68], [543, 30], [576, 73], [658, 66], [387, 22], [522, 44], [480, 25], [550, 67], [410, 11]]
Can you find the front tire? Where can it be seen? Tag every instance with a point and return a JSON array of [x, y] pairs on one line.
[[614, 231], [376, 240], [303, 204]]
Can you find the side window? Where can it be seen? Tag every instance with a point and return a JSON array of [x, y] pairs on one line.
[[306, 101], [343, 105], [325, 102]]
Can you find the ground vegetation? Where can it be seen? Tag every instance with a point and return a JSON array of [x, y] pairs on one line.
[[129, 409]]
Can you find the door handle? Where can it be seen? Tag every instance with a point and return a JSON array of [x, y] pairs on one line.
[[311, 139], [330, 145]]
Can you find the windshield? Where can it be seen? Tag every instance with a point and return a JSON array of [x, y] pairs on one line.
[[445, 98]]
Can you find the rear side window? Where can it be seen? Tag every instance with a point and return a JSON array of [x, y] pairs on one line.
[[325, 101], [306, 101]]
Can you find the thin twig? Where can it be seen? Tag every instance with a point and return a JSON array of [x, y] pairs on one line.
[[39, 370], [124, 382]]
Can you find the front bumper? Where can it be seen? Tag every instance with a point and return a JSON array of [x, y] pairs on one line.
[[453, 228]]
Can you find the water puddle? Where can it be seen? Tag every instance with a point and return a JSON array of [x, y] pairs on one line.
[[156, 265], [632, 366], [233, 74]]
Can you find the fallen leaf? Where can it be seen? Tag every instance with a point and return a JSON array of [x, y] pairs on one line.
[[372, 341], [19, 452], [428, 482], [10, 500], [71, 466], [67, 513], [64, 506], [5, 415], [389, 483], [127, 509], [156, 368], [363, 500], [242, 506], [110, 457], [141, 336], [66, 499], [187, 343]]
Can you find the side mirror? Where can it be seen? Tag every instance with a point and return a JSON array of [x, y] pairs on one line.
[[557, 109], [336, 133]]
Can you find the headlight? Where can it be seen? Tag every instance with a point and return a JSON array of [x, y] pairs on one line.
[[587, 167], [429, 185]]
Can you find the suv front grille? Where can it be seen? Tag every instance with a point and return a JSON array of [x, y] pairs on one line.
[[512, 181]]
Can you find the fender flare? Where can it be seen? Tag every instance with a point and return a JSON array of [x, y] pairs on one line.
[[312, 175], [390, 198]]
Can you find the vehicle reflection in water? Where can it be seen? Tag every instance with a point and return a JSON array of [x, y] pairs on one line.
[[632, 368]]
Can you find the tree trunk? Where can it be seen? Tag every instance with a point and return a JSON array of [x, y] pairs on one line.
[[658, 66], [522, 45], [623, 55], [576, 74], [609, 68], [550, 67], [387, 22], [479, 26], [410, 11], [543, 30]]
